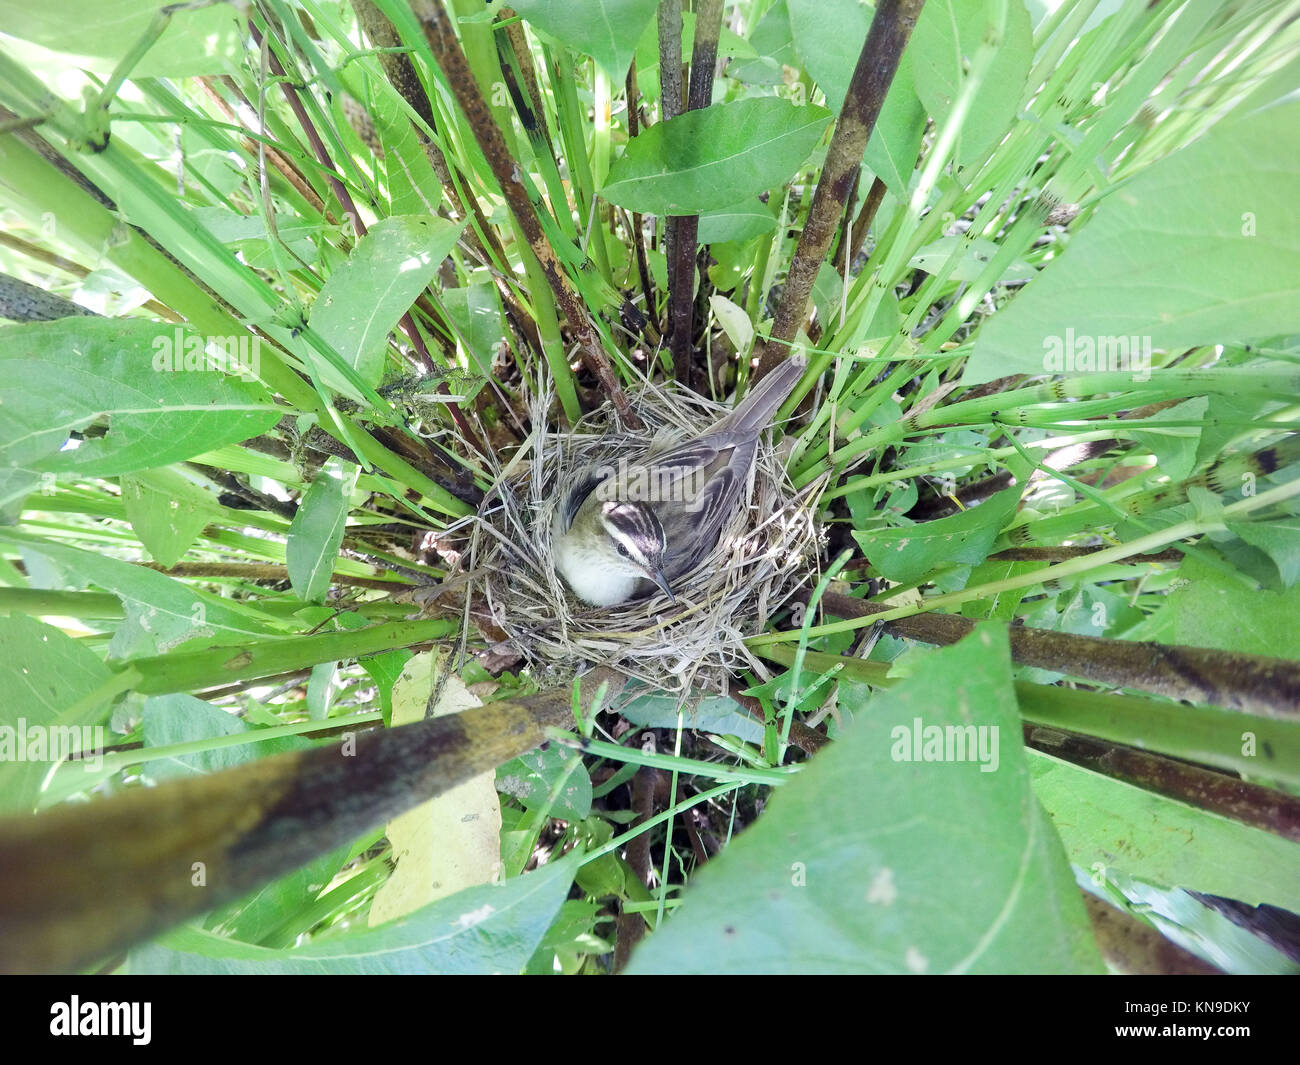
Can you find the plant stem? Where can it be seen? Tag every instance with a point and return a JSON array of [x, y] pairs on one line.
[[442, 41], [891, 27]]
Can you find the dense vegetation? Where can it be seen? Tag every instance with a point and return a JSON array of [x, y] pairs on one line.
[[289, 285]]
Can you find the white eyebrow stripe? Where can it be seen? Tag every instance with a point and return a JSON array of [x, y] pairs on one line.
[[626, 522]]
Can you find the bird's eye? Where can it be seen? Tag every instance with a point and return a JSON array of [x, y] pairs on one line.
[[622, 549]]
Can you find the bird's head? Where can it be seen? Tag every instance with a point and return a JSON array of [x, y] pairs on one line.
[[636, 540]]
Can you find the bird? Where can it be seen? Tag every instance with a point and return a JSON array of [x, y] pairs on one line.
[[624, 529]]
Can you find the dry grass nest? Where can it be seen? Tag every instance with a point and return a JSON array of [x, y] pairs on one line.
[[768, 552]]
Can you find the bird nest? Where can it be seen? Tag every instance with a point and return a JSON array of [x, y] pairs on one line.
[[767, 552]]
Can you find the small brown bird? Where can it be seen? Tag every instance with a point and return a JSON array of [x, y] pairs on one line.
[[621, 531]]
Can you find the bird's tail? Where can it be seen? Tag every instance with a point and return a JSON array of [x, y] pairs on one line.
[[758, 408]]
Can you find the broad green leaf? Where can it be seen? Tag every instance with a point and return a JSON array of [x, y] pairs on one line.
[[734, 321], [413, 187], [774, 45], [166, 511], [942, 46], [248, 233], [713, 157], [978, 254], [15, 486], [570, 937], [829, 35], [1212, 609], [45, 673], [1279, 539], [828, 288], [1107, 823], [713, 713], [384, 669], [606, 30], [317, 530], [878, 859], [363, 299], [280, 910], [477, 313], [161, 611], [1139, 269], [737, 222], [322, 687], [531, 777], [910, 552], [481, 930], [167, 720], [1175, 448], [203, 40], [164, 401], [895, 143]]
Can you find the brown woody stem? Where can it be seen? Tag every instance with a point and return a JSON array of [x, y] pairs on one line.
[[455, 67], [83, 882], [890, 29], [1252, 683]]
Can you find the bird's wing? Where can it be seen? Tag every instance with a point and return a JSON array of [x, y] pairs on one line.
[[699, 453], [578, 494], [701, 523]]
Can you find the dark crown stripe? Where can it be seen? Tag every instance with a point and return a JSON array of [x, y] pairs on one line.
[[636, 522]]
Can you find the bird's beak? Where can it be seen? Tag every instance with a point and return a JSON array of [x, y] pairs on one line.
[[657, 575]]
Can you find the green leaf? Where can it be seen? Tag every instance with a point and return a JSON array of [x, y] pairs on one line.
[[276, 909], [740, 221], [477, 313], [734, 321], [979, 253], [45, 672], [1175, 448], [166, 511], [413, 187], [1279, 539], [363, 299], [1105, 823], [1213, 610], [910, 552], [774, 43], [384, 669], [56, 377], [161, 611], [530, 778], [852, 867], [317, 530], [896, 141], [714, 157], [606, 30], [207, 40], [945, 40], [829, 35], [481, 930], [1139, 270], [167, 720], [828, 288], [713, 713], [15, 486]]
